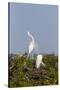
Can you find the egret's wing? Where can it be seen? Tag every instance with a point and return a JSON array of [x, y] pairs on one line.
[[38, 60], [37, 63]]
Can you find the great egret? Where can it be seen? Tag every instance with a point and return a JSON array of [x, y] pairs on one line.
[[39, 61], [31, 44]]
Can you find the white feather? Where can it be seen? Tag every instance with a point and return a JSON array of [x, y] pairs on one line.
[[39, 61], [31, 44]]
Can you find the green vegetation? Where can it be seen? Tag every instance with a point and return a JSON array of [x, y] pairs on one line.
[[22, 71]]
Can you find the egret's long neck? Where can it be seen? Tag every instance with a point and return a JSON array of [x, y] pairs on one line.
[[31, 38]]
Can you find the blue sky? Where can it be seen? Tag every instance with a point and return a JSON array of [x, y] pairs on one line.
[[40, 20]]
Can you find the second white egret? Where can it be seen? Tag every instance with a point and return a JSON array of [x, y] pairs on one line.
[[39, 61]]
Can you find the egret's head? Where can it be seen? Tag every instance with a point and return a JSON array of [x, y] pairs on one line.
[[28, 33]]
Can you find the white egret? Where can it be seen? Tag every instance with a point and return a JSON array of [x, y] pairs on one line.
[[39, 61], [31, 44]]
